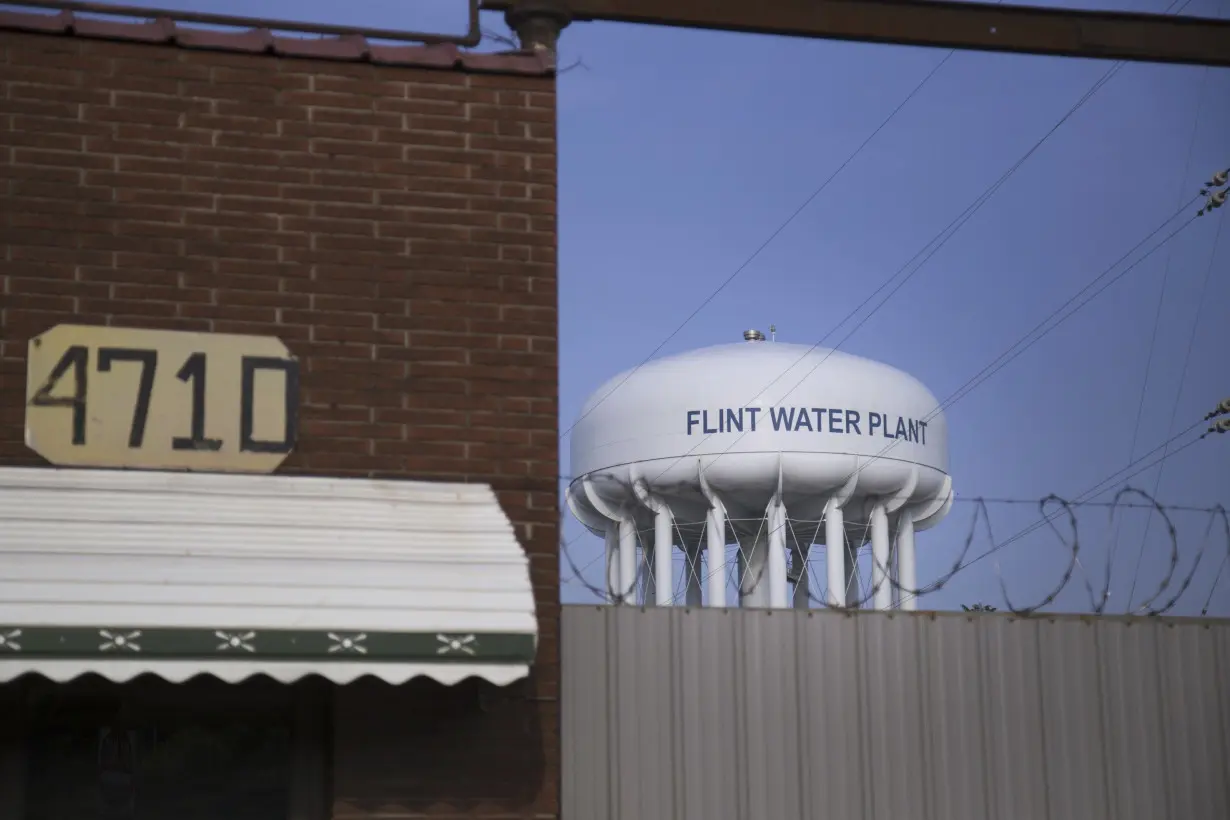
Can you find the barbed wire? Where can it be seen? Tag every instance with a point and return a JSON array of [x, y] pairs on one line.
[[1216, 513], [1096, 490], [982, 516], [1101, 487], [1051, 509], [1225, 559]]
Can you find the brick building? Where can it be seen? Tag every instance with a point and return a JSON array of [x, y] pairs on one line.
[[390, 216]]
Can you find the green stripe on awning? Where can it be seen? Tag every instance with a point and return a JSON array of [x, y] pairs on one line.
[[135, 642]]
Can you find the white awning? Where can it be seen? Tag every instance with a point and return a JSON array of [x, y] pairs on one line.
[[179, 574]]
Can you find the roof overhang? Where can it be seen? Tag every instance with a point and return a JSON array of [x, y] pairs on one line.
[[122, 574]]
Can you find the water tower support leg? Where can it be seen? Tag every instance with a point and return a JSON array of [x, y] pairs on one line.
[[882, 590], [715, 536], [627, 562], [663, 552], [894, 575], [649, 585], [907, 569], [853, 593], [692, 585], [613, 585], [754, 566], [835, 552], [802, 581], [777, 555]]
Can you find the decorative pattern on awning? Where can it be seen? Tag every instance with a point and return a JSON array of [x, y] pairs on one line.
[[280, 644], [178, 574]]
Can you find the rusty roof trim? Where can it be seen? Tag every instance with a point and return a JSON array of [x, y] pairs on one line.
[[344, 48]]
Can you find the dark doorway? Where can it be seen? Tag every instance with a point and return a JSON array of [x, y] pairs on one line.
[[153, 750]]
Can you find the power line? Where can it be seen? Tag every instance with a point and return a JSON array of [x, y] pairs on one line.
[[1010, 355], [1013, 352], [760, 249], [998, 364], [962, 218], [942, 238], [1161, 298], [1157, 322], [1017, 348], [1174, 409], [1178, 394]]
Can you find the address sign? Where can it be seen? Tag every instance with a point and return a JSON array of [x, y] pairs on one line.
[[161, 400]]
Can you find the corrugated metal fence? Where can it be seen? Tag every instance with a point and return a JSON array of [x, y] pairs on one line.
[[677, 714]]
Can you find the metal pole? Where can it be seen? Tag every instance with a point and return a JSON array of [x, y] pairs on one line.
[[1106, 35]]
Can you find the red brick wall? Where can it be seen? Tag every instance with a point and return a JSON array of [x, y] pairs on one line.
[[395, 227]]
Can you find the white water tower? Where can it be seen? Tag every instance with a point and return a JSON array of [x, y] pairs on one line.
[[772, 447]]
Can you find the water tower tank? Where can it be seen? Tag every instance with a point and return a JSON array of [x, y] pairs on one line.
[[773, 447]]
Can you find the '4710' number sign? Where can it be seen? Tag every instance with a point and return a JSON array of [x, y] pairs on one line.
[[161, 400]]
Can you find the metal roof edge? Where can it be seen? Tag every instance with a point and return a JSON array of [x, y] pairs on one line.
[[166, 31]]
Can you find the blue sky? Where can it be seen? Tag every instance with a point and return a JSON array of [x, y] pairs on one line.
[[681, 152]]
